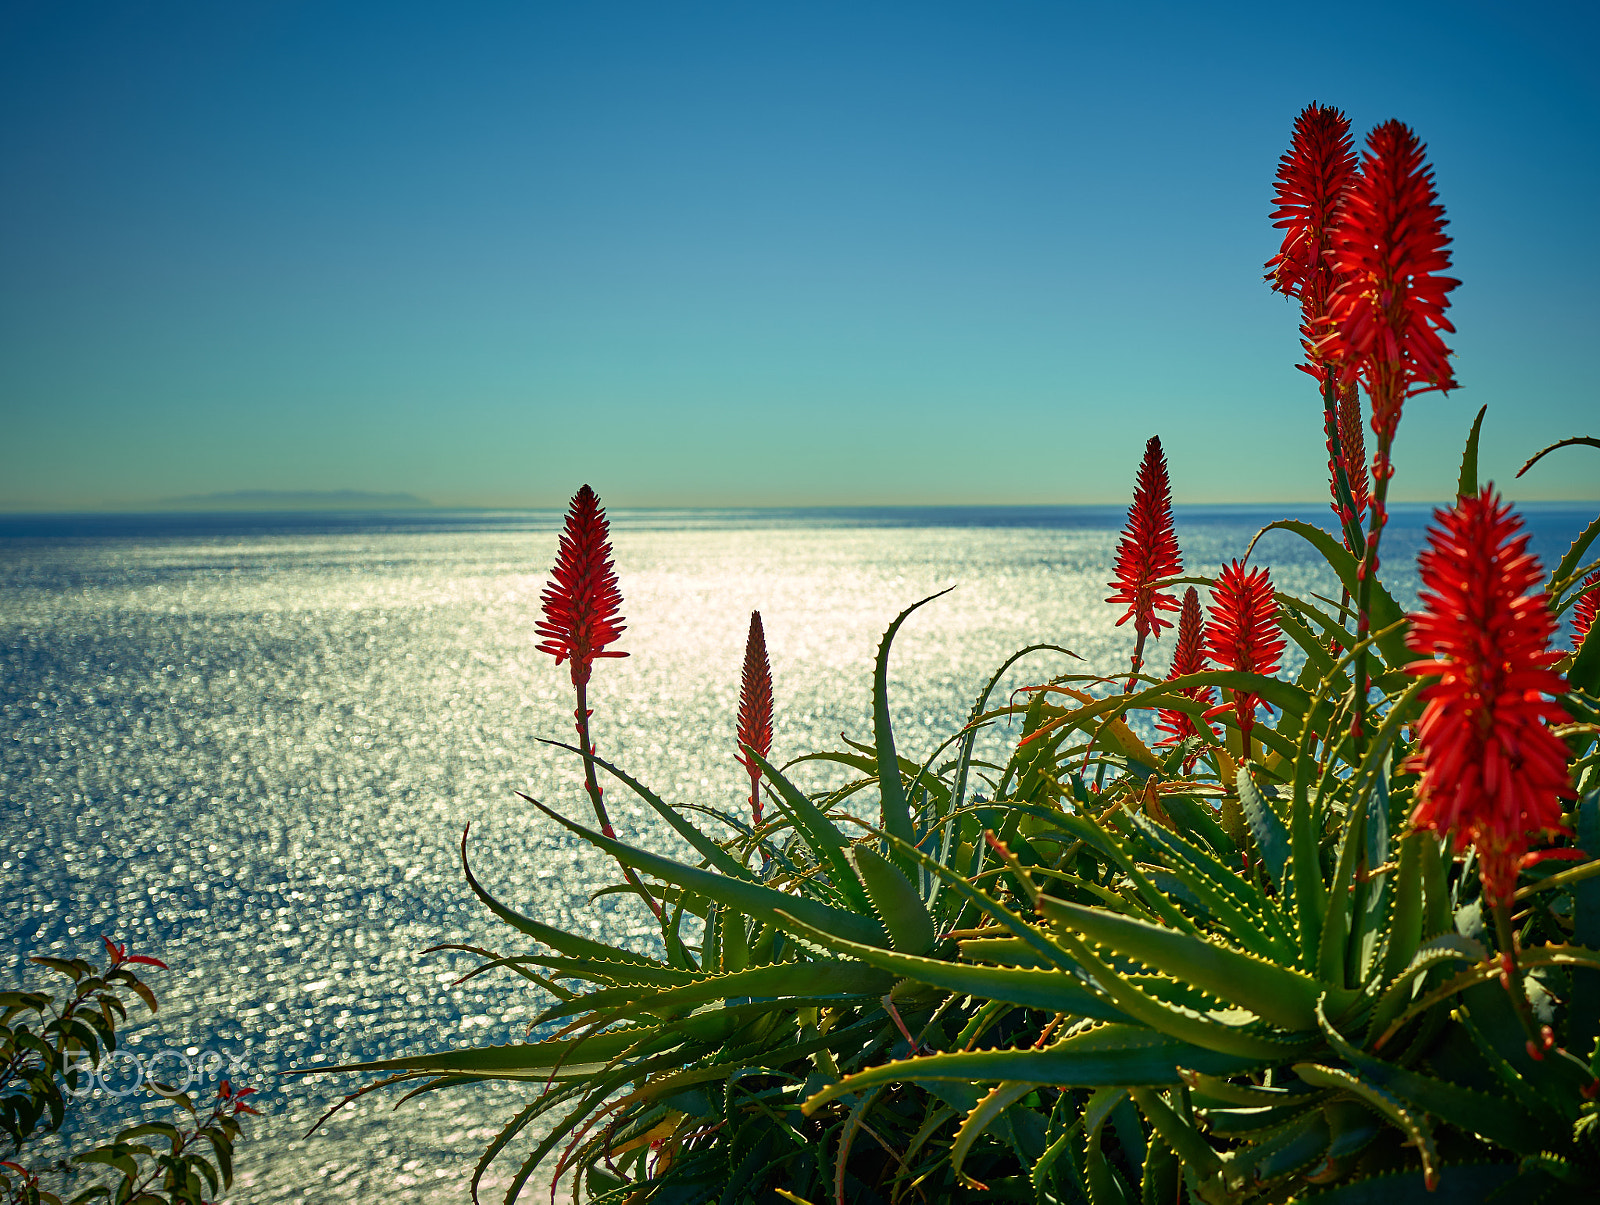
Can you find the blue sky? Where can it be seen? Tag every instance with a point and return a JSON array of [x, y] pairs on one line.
[[750, 253]]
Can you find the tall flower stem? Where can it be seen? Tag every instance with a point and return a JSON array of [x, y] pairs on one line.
[[1382, 470], [1511, 975], [1350, 518], [596, 796], [1138, 661]]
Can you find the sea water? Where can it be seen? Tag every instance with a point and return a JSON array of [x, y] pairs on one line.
[[248, 746]]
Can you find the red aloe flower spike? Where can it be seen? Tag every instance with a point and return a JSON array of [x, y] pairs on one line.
[[580, 619], [1243, 634], [582, 597], [1389, 248], [1147, 552], [1583, 611], [1353, 449], [1492, 771], [1313, 178], [755, 709], [1384, 319], [1188, 658]]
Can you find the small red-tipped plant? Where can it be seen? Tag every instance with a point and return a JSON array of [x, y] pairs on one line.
[[1313, 178], [1147, 553], [755, 709], [1493, 773], [1583, 611], [1389, 248], [1188, 658], [582, 597], [1242, 634]]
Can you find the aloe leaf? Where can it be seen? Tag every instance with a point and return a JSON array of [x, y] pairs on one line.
[[751, 898], [987, 1111], [1467, 480], [1405, 917], [1236, 903], [1088, 829], [781, 983], [1236, 1034], [896, 815], [1182, 1137], [1408, 1119], [1104, 1056], [1272, 837], [1583, 1018], [1574, 441], [821, 834], [1384, 611], [1584, 672], [1458, 1184], [1573, 557], [557, 939], [898, 904], [1292, 1150], [1279, 995], [703, 845], [1051, 990]]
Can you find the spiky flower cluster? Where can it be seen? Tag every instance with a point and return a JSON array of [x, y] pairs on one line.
[[755, 708], [1242, 634], [1313, 177], [1388, 250], [1188, 658], [1583, 611], [582, 598], [1148, 550], [1492, 771]]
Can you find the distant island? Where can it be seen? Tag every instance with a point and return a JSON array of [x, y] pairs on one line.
[[279, 500]]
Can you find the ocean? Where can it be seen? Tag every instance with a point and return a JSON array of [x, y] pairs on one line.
[[248, 744]]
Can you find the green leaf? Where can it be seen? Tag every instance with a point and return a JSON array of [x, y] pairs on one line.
[[1584, 673], [826, 841], [751, 898], [1409, 1120], [1573, 557], [896, 815], [703, 845], [1237, 904], [1279, 995], [896, 901], [1467, 482], [1104, 1056], [1461, 1184], [1051, 990], [557, 939], [1272, 837], [1574, 441]]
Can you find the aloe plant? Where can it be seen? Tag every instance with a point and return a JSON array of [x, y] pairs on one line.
[[1307, 957]]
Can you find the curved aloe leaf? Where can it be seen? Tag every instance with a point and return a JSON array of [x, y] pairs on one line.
[[751, 898], [1467, 480], [821, 834], [896, 815], [557, 939], [1104, 1056], [898, 904], [1408, 1119], [1052, 990], [1272, 836], [1284, 997], [703, 845]]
